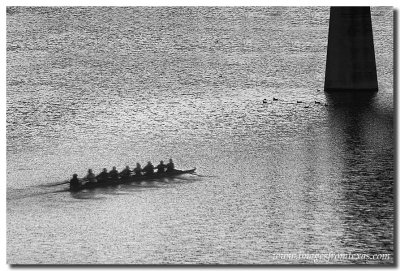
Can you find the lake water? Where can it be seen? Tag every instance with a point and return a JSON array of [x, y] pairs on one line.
[[100, 87]]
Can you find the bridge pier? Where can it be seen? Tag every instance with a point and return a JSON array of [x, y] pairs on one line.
[[350, 62]]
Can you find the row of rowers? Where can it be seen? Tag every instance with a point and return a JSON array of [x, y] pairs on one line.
[[126, 172]]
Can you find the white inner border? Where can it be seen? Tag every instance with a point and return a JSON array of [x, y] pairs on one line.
[[151, 3]]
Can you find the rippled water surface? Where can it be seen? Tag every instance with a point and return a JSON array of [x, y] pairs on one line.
[[98, 87]]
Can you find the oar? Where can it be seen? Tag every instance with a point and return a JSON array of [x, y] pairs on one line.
[[55, 184], [199, 175]]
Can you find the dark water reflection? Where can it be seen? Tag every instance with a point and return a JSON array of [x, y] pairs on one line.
[[128, 189], [363, 137]]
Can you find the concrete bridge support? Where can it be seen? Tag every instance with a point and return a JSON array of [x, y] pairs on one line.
[[350, 63]]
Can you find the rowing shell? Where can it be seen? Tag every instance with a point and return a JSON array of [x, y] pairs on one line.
[[131, 179]]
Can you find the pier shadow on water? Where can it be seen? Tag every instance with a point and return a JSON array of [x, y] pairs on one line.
[[362, 141]]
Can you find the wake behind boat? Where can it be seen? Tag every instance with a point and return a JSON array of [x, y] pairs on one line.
[[82, 185]]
